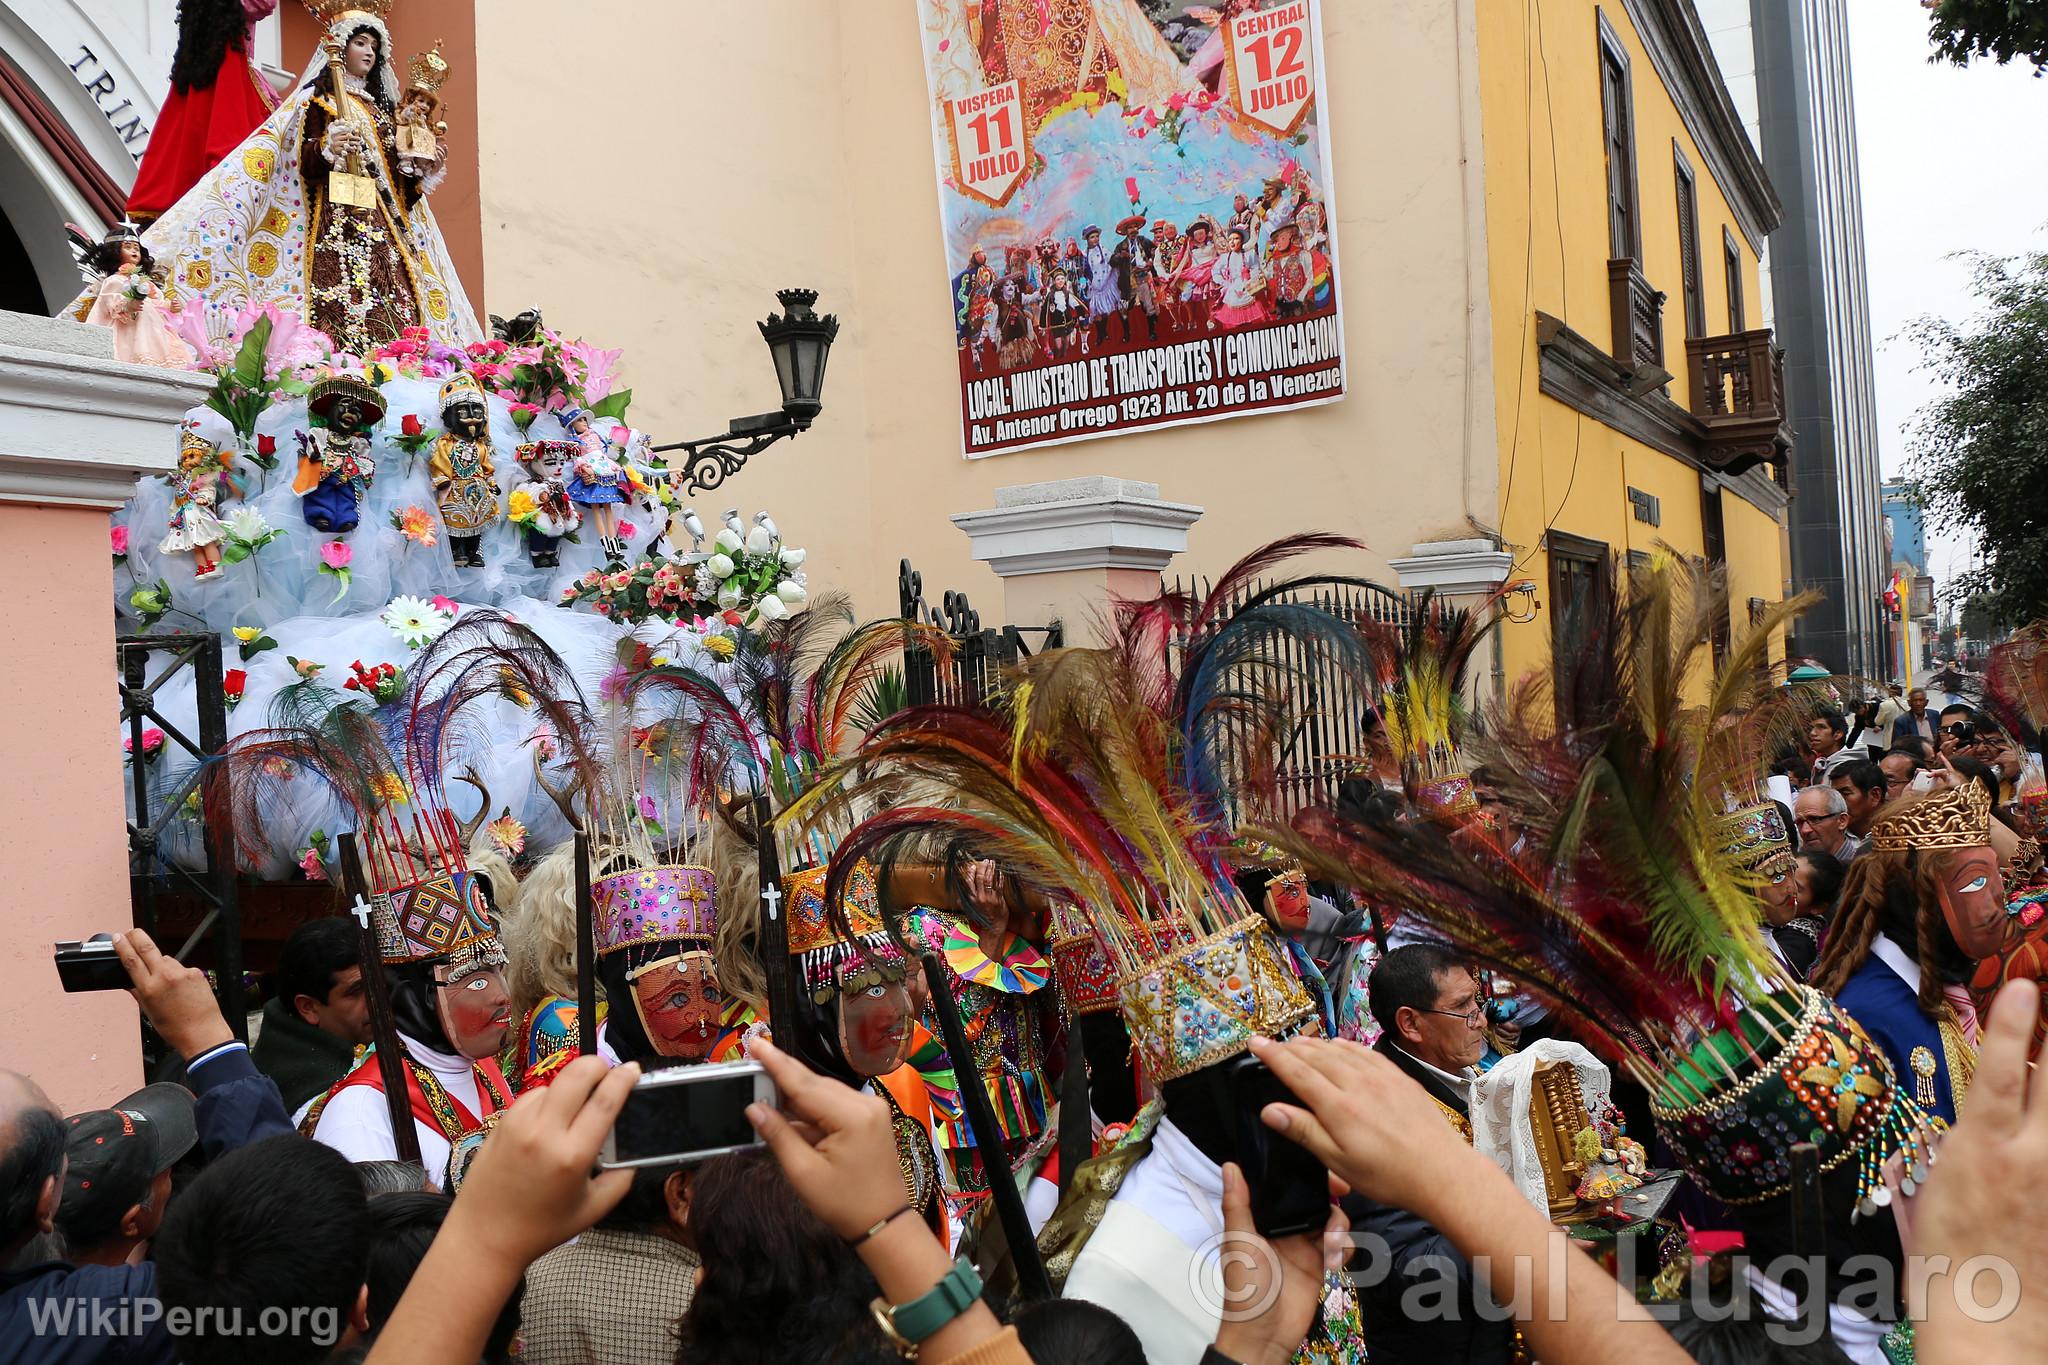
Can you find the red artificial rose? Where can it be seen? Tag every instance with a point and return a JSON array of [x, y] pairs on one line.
[[733, 618], [411, 425], [266, 445], [233, 681]]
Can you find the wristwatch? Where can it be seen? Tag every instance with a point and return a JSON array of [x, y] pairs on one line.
[[909, 1324]]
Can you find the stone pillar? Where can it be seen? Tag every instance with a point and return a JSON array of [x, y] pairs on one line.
[[1063, 548], [1459, 571], [76, 429]]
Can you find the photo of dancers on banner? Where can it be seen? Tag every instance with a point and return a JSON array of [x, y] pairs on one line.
[[1135, 197]]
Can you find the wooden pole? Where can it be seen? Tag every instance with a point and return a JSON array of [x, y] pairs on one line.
[[390, 1054], [586, 953], [782, 1012]]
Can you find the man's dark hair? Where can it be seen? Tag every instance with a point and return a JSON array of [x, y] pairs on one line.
[[645, 1207], [1407, 976], [1863, 774], [317, 951], [1076, 1332], [1915, 745], [1977, 770], [1825, 873], [280, 1224], [402, 1228], [31, 1151], [1835, 720]]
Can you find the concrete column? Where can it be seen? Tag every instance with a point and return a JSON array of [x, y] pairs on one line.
[[1063, 548], [76, 429], [1455, 568]]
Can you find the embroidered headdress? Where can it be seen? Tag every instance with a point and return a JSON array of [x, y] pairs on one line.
[[1957, 818]]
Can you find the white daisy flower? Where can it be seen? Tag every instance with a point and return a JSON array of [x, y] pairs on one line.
[[415, 621]]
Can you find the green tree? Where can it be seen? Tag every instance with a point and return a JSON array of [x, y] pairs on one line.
[[1999, 29], [1980, 454]]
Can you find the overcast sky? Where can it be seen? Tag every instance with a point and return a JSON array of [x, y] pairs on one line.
[[1945, 152]]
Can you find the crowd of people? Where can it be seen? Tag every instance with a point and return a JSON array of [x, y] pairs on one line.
[[1517, 1048]]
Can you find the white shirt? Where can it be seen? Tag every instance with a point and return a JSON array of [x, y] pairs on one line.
[[357, 1121], [1860, 1338], [1461, 1085]]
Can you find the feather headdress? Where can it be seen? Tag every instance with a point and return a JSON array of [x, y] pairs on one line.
[[1107, 777], [1625, 905], [1420, 667]]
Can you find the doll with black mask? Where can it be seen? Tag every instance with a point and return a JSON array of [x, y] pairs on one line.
[[335, 466], [462, 470]]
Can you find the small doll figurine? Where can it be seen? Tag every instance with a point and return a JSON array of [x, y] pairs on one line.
[[417, 126], [540, 506], [462, 470], [335, 468], [201, 480], [129, 300], [600, 480]]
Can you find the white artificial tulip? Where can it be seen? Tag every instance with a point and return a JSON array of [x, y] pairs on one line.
[[792, 558], [791, 591], [772, 609], [759, 542], [721, 566], [729, 540], [728, 597]]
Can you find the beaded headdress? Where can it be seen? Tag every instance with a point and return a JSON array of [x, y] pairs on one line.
[[327, 390], [1111, 779], [1957, 818], [460, 385], [1420, 669], [1754, 837], [664, 903]]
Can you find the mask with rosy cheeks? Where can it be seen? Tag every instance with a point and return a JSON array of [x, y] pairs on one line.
[[874, 1027], [679, 1004], [1972, 899], [476, 1011], [1287, 902]]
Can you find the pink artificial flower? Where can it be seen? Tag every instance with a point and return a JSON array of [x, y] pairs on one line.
[[1177, 100], [309, 863], [1151, 119], [447, 604], [613, 686], [645, 804], [600, 369], [119, 535], [627, 530], [336, 554]]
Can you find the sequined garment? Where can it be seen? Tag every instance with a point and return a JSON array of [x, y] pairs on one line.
[[360, 282]]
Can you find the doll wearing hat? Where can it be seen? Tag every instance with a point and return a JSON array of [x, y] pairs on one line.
[[202, 480], [462, 470], [335, 467], [599, 481]]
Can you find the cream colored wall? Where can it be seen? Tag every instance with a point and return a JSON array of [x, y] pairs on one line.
[[652, 172], [61, 839]]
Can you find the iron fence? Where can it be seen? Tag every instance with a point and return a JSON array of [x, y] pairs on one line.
[[980, 653], [163, 783]]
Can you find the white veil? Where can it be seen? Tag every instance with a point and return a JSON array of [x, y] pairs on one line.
[[239, 237]]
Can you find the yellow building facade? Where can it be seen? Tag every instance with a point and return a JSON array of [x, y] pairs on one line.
[[1638, 402]]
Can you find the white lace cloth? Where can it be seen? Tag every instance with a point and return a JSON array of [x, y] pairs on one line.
[[1500, 1109]]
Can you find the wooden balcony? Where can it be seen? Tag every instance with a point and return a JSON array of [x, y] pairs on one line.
[[1738, 395], [1636, 314]]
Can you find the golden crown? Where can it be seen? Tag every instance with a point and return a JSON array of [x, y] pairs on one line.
[[1957, 818], [331, 12], [429, 69]]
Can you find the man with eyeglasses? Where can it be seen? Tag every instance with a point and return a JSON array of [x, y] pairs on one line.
[[1822, 818], [1433, 1026]]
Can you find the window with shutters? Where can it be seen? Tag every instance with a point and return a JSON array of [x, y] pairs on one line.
[[1731, 256], [1689, 244], [1617, 111]]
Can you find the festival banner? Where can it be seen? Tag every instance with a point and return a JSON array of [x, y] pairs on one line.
[[1136, 199]]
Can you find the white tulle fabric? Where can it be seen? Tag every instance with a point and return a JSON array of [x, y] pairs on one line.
[[281, 591], [1500, 1109]]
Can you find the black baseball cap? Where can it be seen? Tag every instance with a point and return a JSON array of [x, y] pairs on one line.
[[115, 1154]]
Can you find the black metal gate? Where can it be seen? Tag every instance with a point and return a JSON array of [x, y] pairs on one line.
[[160, 801], [980, 653], [1330, 737]]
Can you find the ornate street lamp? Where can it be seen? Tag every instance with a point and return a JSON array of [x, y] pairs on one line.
[[800, 342]]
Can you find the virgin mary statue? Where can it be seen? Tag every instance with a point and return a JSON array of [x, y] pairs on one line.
[[317, 212]]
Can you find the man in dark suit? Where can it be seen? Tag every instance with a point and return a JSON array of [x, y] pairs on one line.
[[1428, 1307], [1916, 721]]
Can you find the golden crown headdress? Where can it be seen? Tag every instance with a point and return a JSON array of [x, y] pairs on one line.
[[332, 12], [194, 449], [429, 69], [1957, 818]]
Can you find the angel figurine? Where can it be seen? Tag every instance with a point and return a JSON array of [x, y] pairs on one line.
[[202, 480], [129, 300]]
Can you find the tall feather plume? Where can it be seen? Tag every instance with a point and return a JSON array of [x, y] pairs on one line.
[[1623, 906], [312, 732], [2016, 685]]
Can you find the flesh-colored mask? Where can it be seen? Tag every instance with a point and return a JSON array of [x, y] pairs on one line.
[[1972, 899], [679, 1003], [874, 1027], [476, 1012]]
